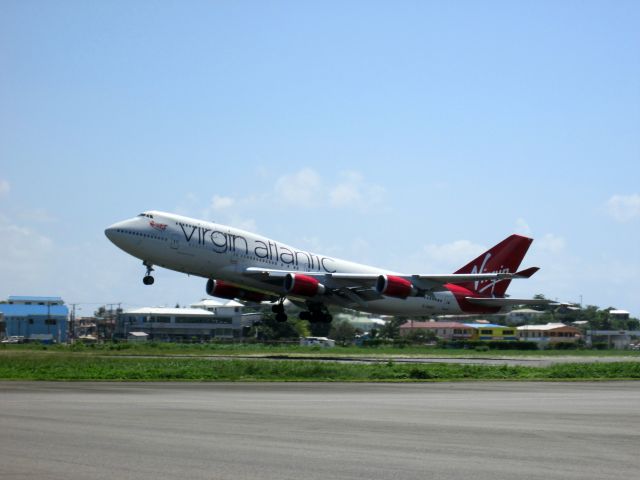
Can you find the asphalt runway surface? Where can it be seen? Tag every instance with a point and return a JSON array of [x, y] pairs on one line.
[[191, 431]]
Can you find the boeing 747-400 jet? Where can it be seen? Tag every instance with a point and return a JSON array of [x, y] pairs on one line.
[[251, 268]]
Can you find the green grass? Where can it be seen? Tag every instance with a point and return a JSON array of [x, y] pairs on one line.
[[160, 348], [69, 366]]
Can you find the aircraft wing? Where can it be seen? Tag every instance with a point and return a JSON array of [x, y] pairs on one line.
[[503, 302], [367, 281]]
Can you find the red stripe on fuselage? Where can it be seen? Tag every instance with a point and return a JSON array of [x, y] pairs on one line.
[[460, 293]]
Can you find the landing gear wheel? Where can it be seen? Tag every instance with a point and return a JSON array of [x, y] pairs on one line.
[[281, 317], [148, 279]]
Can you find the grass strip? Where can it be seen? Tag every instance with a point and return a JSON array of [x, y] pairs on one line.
[[30, 366], [161, 348]]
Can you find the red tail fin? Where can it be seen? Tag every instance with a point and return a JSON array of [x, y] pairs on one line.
[[504, 257]]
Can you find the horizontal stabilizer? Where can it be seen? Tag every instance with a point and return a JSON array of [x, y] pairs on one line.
[[527, 272], [504, 302]]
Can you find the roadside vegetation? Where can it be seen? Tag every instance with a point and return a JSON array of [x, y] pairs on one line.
[[29, 365]]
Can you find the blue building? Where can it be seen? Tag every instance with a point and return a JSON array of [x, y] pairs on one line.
[[36, 318]]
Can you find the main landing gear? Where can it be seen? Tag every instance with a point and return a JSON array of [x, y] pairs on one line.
[[317, 313], [148, 279], [278, 309]]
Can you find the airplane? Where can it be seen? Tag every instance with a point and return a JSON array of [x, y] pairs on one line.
[[251, 268]]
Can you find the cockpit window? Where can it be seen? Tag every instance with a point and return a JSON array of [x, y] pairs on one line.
[[145, 215]]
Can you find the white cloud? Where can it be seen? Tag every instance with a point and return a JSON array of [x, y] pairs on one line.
[[248, 224], [303, 188], [39, 215], [4, 187], [353, 191], [232, 211], [457, 252], [522, 227], [624, 208], [27, 256], [551, 243], [221, 203], [306, 188]]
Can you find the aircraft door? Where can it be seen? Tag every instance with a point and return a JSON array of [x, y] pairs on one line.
[[174, 242]]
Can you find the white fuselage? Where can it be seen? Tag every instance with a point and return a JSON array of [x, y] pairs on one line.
[[220, 252]]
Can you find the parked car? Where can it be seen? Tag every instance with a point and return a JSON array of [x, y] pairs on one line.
[[14, 339]]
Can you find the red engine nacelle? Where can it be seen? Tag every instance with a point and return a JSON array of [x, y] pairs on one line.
[[393, 286], [298, 284], [220, 289]]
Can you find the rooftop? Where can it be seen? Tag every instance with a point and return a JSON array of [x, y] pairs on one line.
[[22, 310], [414, 324], [485, 325], [28, 298], [548, 326], [169, 311], [217, 302]]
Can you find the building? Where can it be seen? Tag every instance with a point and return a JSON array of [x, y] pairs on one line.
[[137, 337], [492, 332], [549, 333], [618, 339], [442, 330], [204, 321], [617, 314], [42, 319], [522, 316], [360, 321]]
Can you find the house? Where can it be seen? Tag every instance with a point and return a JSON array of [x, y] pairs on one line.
[[442, 330], [549, 333], [492, 332]]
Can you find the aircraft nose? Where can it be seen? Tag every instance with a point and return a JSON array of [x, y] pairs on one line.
[[112, 231]]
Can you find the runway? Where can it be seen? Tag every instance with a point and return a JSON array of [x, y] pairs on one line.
[[489, 430]]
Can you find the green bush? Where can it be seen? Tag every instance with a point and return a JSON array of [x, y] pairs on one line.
[[564, 346]]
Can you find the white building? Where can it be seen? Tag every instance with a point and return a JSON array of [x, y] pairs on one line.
[[522, 316], [204, 321], [549, 333]]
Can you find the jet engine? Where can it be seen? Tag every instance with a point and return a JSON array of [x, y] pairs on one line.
[[393, 286], [218, 288], [304, 285]]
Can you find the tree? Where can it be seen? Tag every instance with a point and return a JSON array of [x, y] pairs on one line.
[[342, 332], [270, 329], [391, 329]]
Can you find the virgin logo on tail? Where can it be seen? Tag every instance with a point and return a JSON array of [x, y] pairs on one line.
[[491, 284], [505, 257]]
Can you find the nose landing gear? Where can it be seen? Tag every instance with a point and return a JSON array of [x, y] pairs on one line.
[[148, 279]]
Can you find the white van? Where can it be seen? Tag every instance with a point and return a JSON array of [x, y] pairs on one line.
[[319, 341]]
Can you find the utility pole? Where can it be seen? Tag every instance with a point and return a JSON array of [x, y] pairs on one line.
[[71, 329]]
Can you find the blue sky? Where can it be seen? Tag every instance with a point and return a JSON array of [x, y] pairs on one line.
[[409, 135]]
